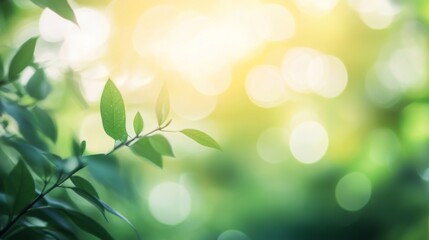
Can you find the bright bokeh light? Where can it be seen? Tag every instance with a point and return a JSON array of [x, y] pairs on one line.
[[54, 28], [265, 86], [272, 146], [353, 191], [85, 44], [170, 203], [316, 7], [203, 46], [309, 142], [233, 235], [376, 14], [306, 70]]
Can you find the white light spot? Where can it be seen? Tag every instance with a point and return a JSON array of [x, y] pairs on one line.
[[353, 191], [333, 79], [233, 235], [265, 86], [54, 28], [316, 7], [309, 142], [376, 14], [280, 23], [271, 145], [170, 203]]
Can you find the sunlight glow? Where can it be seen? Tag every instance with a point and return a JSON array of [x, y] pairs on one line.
[[376, 14], [309, 142], [316, 7], [170, 203], [265, 86], [307, 70], [353, 191]]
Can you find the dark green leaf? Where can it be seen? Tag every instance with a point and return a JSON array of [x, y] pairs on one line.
[[90, 198], [82, 147], [161, 145], [119, 215], [162, 106], [45, 123], [38, 87], [86, 224], [113, 112], [20, 186], [201, 138], [22, 58], [27, 232], [144, 149], [138, 123], [84, 184], [61, 7], [26, 123]]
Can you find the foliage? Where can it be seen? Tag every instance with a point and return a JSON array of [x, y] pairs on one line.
[[30, 171]]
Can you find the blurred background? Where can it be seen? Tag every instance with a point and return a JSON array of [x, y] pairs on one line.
[[321, 109]]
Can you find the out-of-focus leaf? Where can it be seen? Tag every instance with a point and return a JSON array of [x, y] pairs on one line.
[[19, 184], [82, 147], [144, 148], [119, 215], [106, 170], [162, 106], [85, 223], [27, 232], [201, 138], [61, 7], [90, 198], [113, 112], [54, 220], [35, 158], [22, 58], [138, 123], [1, 69], [161, 145], [26, 123], [45, 123], [38, 87], [84, 184]]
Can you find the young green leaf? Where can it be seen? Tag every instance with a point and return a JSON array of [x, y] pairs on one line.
[[138, 123], [38, 87], [161, 145], [19, 185], [145, 149], [201, 138], [84, 184], [60, 7], [22, 58], [113, 112], [162, 106]]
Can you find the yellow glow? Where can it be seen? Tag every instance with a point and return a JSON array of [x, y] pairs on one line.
[[376, 14], [316, 7]]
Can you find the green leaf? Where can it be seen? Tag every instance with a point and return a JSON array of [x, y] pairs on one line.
[[119, 215], [22, 58], [84, 184], [19, 185], [201, 138], [45, 123], [145, 149], [162, 106], [161, 145], [138, 123], [38, 87], [90, 198], [60, 7], [113, 112], [86, 224], [82, 147], [1, 69]]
